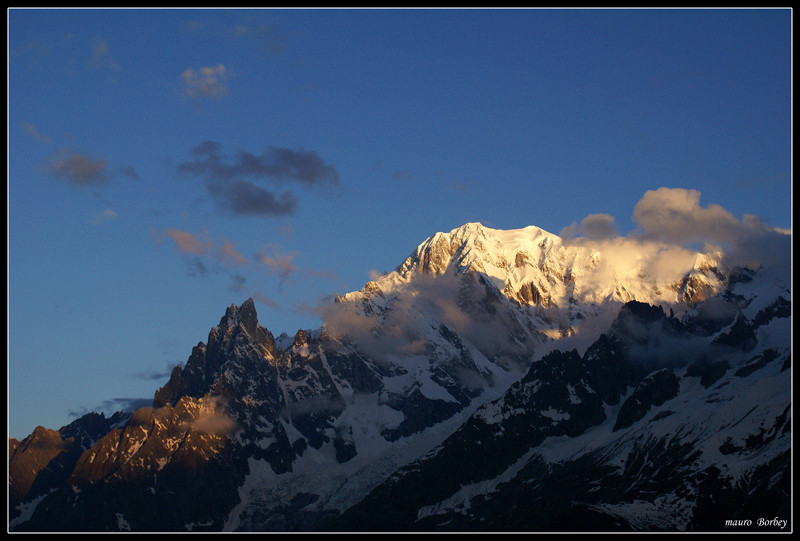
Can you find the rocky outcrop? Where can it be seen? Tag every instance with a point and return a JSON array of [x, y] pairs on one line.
[[30, 459], [779, 308], [740, 335], [46, 458], [166, 468], [239, 400], [654, 390], [708, 369]]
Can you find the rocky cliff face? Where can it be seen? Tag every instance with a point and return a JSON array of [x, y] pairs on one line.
[[428, 401], [43, 461], [242, 403], [620, 438]]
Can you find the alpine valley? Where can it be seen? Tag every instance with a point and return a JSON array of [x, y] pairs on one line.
[[496, 380]]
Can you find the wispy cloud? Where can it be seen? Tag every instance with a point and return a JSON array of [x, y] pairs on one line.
[[265, 300], [34, 51], [196, 267], [263, 36], [212, 417], [193, 246], [191, 243], [206, 82], [113, 405], [403, 175], [80, 169], [194, 26], [229, 253], [759, 181], [457, 186], [277, 263], [287, 231], [322, 274], [204, 254], [155, 374], [401, 331], [129, 172], [101, 57], [239, 285], [104, 217], [31, 130]]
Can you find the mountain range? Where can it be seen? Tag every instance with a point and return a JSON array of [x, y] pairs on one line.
[[496, 380]]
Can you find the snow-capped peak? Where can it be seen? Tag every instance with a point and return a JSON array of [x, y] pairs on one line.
[[476, 247], [536, 268]]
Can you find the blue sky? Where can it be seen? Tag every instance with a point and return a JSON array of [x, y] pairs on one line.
[[164, 164]]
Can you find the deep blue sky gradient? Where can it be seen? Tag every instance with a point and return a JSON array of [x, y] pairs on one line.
[[429, 118]]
